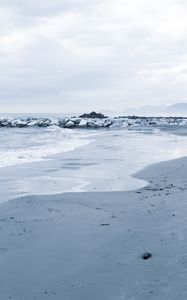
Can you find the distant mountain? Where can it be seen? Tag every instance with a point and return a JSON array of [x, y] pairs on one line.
[[178, 109], [146, 110]]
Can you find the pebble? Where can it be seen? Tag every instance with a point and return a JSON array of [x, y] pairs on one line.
[[146, 255]]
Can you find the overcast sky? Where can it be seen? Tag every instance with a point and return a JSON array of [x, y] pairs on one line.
[[82, 55]]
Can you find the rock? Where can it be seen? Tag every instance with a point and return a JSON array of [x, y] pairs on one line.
[[83, 123], [69, 124], [63, 121], [95, 120], [117, 123], [93, 115], [92, 124], [6, 123], [152, 123], [107, 123], [21, 123], [44, 122], [99, 123], [32, 123], [146, 255], [75, 120]]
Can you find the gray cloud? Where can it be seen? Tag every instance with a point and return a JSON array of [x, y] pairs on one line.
[[83, 54]]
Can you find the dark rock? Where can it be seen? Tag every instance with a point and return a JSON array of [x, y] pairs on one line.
[[93, 115], [5, 123], [152, 123], [146, 255]]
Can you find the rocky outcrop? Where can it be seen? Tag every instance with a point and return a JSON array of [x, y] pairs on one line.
[[93, 115]]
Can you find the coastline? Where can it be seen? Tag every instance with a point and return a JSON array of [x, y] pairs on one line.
[[89, 245], [106, 164]]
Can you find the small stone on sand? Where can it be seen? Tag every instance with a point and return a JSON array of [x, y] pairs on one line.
[[146, 255]]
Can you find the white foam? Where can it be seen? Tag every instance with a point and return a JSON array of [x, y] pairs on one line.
[[44, 146]]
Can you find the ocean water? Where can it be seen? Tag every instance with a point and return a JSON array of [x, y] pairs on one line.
[[55, 160], [24, 145]]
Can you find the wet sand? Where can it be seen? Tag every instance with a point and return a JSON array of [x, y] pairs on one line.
[[79, 246]]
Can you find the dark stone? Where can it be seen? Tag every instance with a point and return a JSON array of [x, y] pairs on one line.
[[21, 125], [146, 255], [93, 115], [152, 123]]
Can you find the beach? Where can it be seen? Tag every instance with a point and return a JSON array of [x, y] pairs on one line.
[[93, 150], [89, 245]]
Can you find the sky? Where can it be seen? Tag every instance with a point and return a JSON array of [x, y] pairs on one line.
[[83, 55]]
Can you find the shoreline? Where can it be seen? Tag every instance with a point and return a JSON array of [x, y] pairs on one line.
[[106, 164], [88, 245]]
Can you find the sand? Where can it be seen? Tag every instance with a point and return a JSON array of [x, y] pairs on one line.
[[88, 246]]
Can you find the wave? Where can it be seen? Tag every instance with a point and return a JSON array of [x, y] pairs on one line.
[[30, 146]]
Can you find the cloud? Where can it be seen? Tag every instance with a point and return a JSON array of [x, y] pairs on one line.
[[83, 54]]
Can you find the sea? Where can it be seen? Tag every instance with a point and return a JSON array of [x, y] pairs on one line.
[[56, 160]]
